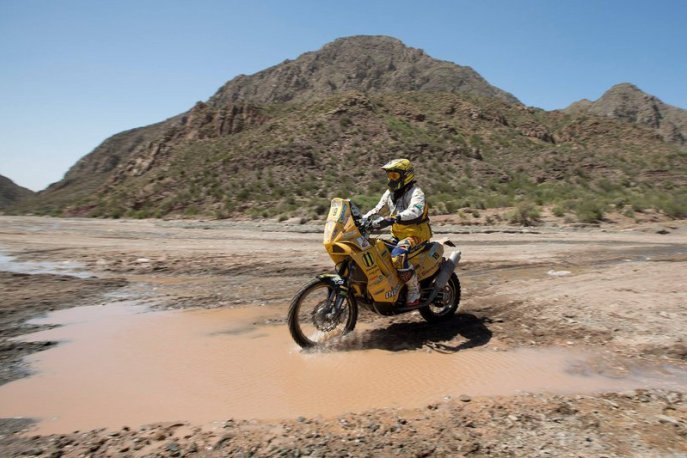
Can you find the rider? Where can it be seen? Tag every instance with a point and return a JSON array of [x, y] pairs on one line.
[[404, 203]]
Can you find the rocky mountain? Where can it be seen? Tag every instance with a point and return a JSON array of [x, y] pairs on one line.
[[370, 64], [628, 103], [360, 63], [11, 193], [282, 142]]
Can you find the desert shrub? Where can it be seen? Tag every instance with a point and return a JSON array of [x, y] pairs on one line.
[[320, 209], [589, 211], [525, 214], [345, 122], [639, 205], [605, 185], [498, 201], [558, 211], [399, 126], [138, 214], [451, 206], [674, 206]]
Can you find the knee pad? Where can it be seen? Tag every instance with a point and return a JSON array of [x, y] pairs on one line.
[[405, 274], [399, 262]]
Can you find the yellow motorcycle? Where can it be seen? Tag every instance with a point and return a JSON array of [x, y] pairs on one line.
[[327, 307]]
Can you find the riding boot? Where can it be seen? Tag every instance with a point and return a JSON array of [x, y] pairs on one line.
[[413, 293]]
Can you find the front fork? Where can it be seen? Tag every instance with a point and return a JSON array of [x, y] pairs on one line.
[[337, 295]]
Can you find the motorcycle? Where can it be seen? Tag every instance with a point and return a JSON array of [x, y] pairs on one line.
[[327, 307]]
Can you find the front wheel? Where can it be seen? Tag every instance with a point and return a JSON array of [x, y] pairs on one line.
[[446, 303], [315, 315]]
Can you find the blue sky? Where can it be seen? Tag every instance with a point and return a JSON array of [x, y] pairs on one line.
[[75, 72]]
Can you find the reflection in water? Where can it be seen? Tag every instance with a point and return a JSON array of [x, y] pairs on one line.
[[122, 365]]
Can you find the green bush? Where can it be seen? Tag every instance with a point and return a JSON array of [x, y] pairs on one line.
[[589, 211], [558, 211], [525, 214], [674, 207]]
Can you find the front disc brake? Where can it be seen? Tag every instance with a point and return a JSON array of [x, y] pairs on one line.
[[326, 316]]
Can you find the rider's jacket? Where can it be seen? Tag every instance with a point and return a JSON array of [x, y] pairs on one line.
[[409, 207]]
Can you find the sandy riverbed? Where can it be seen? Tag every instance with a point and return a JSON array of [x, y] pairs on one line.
[[609, 305]]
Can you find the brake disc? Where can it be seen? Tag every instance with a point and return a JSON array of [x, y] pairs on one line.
[[325, 317]]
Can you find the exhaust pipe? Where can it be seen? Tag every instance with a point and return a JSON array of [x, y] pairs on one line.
[[447, 268]]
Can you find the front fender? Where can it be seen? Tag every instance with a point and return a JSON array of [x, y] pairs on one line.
[[334, 280]]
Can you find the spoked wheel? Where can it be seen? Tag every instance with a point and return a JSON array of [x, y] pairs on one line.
[[315, 317], [446, 303]]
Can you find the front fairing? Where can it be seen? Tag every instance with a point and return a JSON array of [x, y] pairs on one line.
[[340, 225]]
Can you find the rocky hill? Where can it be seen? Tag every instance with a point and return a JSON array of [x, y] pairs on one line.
[[281, 142], [628, 103], [370, 64], [362, 63], [11, 193]]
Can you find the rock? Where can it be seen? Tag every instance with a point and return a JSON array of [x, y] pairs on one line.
[[470, 447], [173, 449], [668, 419], [464, 398], [558, 273], [222, 441]]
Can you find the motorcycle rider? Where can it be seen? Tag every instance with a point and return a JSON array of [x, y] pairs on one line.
[[404, 203]]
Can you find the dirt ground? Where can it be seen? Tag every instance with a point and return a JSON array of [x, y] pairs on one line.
[[622, 289]]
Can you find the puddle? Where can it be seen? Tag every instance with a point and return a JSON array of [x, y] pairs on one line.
[[71, 268], [124, 365]]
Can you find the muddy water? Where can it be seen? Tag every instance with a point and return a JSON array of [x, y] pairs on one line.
[[123, 365]]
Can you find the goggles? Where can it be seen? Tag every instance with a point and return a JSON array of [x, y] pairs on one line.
[[393, 176]]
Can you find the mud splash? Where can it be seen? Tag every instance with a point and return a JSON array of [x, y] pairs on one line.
[[124, 365], [70, 268]]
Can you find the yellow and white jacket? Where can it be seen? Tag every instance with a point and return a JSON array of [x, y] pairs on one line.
[[410, 210]]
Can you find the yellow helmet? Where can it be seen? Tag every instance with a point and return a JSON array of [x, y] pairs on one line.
[[399, 173]]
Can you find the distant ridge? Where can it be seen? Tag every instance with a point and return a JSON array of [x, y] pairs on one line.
[[11, 193], [628, 103]]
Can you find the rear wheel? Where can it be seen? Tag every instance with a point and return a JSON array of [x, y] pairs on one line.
[[314, 318], [446, 303]]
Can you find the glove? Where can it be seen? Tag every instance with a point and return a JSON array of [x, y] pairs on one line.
[[386, 222]]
